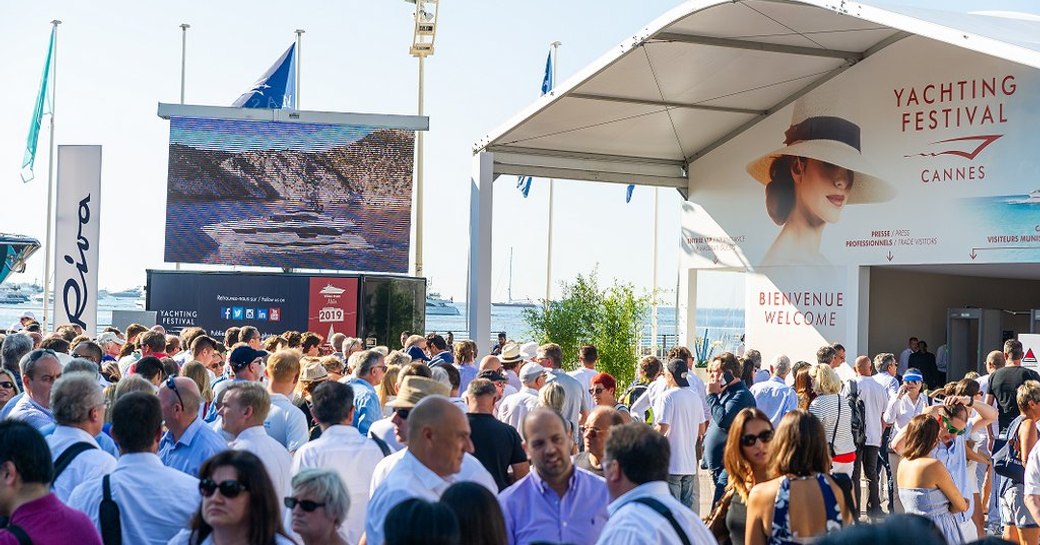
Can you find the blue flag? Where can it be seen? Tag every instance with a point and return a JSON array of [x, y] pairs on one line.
[[276, 88], [628, 192], [43, 106], [523, 183]]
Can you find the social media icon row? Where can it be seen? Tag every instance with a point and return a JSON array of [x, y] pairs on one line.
[[266, 314]]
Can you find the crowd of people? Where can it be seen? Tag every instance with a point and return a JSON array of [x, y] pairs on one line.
[[140, 436]]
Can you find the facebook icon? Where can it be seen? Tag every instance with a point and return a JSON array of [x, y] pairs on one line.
[[238, 313], [225, 312]]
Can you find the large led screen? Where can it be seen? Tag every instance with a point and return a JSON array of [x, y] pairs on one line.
[[290, 195]]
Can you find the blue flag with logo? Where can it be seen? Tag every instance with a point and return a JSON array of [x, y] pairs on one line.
[[628, 192], [523, 183], [276, 88], [43, 106]]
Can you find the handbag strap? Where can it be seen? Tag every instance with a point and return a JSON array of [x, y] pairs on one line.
[[18, 533], [834, 434], [666, 513], [108, 516], [67, 456]]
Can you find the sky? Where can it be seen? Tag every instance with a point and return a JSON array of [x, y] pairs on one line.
[[118, 59]]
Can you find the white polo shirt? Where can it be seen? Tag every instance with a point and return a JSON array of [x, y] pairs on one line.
[[276, 459], [87, 465], [680, 409]]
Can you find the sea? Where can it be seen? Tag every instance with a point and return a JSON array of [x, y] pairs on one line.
[[721, 326]]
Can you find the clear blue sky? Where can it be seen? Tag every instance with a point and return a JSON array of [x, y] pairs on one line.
[[118, 59]]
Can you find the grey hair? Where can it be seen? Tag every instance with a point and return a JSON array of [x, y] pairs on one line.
[[327, 485], [27, 365], [755, 356], [132, 383], [364, 361], [883, 360], [81, 365], [782, 366], [441, 376], [73, 396], [14, 348]]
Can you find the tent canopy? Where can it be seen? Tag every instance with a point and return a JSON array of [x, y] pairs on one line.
[[708, 70], [693, 79]]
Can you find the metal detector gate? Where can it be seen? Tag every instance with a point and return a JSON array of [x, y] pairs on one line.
[[970, 332]]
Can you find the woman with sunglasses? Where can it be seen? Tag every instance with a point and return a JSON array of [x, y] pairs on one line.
[[239, 504], [925, 486], [8, 386], [747, 463], [603, 388], [318, 506], [801, 462], [908, 403]]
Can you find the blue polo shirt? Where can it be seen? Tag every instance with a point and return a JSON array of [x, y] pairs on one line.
[[196, 444]]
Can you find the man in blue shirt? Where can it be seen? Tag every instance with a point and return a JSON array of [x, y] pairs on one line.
[[727, 396], [369, 372], [773, 396], [189, 441]]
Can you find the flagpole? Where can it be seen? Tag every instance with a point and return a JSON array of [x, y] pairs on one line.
[[50, 177], [299, 45], [184, 57], [549, 237], [419, 174], [653, 291]]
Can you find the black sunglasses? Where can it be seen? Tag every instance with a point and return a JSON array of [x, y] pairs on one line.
[[7, 384], [749, 440], [228, 489], [172, 384], [402, 413], [307, 505]]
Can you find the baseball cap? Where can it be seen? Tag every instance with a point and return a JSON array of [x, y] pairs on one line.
[[243, 356], [678, 369], [531, 371], [109, 337]]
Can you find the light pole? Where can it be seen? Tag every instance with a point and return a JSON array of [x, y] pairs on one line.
[[299, 47], [422, 47]]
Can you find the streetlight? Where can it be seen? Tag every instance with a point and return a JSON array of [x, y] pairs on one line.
[[422, 47]]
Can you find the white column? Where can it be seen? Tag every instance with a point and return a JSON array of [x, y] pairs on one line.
[[687, 315], [478, 300], [857, 313]]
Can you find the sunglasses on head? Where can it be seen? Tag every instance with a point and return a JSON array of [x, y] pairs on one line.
[[951, 429], [750, 439], [307, 505], [228, 489], [172, 384]]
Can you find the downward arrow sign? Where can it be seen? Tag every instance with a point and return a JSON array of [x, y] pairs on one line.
[[889, 256], [973, 255]]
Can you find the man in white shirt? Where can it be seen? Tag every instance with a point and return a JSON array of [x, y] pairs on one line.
[[577, 401], [875, 400], [515, 407], [438, 440], [904, 356], [886, 366], [834, 355], [246, 405], [155, 502], [641, 509], [79, 411], [285, 422], [678, 416], [343, 449], [587, 358]]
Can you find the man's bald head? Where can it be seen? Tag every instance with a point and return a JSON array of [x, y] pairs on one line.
[[863, 366], [438, 435], [189, 391], [490, 362], [995, 360]]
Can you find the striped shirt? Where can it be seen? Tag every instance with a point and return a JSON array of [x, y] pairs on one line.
[[825, 407]]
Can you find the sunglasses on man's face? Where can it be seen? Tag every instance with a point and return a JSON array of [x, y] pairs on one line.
[[402, 413], [307, 505], [228, 489], [750, 439], [951, 429]]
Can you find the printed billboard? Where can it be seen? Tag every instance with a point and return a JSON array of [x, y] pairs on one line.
[[289, 195], [273, 303]]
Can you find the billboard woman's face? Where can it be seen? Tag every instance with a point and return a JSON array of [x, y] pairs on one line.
[[821, 189]]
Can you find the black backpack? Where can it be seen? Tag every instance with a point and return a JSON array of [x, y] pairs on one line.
[[858, 412]]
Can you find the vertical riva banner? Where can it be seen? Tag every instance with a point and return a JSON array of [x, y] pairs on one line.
[[76, 236]]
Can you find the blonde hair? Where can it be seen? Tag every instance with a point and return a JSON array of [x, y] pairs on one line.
[[283, 365], [552, 396], [1028, 391], [825, 380], [412, 340], [388, 386], [198, 374]]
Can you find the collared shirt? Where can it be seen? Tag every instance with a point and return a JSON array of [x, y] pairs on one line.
[[724, 408], [366, 404], [534, 512], [875, 400], [761, 375], [471, 470], [354, 457], [408, 479], [515, 407], [845, 372], [47, 520], [442, 357], [467, 372], [901, 409], [775, 398], [890, 383], [513, 378], [633, 523], [286, 423], [29, 411], [575, 401], [87, 465], [276, 459], [195, 445], [155, 501]]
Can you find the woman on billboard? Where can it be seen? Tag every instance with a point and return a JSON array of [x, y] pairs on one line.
[[809, 181]]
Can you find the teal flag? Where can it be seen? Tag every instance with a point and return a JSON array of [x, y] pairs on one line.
[[43, 106]]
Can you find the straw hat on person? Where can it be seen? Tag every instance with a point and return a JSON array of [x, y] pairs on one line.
[[821, 129], [510, 353], [313, 371], [414, 388]]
